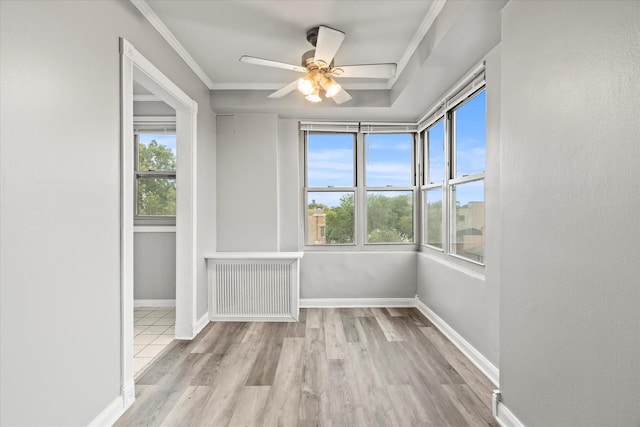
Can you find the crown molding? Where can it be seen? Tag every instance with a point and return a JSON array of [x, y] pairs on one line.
[[164, 31], [160, 26], [276, 86], [421, 32]]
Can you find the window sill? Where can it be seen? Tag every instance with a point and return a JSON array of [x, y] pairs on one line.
[[154, 228], [462, 265], [362, 248]]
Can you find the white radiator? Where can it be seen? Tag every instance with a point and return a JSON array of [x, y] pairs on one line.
[[259, 286]]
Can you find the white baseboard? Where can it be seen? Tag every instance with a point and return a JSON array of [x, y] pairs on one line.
[[481, 362], [201, 323], [502, 414], [109, 415], [129, 394], [154, 303], [189, 331], [356, 302]]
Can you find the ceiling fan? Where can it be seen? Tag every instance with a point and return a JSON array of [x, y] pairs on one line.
[[320, 71]]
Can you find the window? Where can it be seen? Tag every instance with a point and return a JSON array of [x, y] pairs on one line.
[[331, 182], [155, 175], [389, 187], [359, 188], [454, 148], [433, 184]]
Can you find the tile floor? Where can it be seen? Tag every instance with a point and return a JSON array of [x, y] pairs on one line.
[[153, 330]]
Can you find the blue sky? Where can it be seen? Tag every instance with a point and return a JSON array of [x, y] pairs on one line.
[[470, 132], [388, 157], [168, 140]]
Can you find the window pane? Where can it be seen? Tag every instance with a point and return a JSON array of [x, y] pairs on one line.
[[388, 159], [330, 160], [470, 136], [156, 152], [330, 218], [156, 196], [433, 210], [468, 214], [389, 216], [435, 141]]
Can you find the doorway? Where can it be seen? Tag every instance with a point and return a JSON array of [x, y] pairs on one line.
[[154, 247], [135, 68]]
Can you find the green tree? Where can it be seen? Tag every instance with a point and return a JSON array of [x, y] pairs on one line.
[[434, 223], [156, 195], [340, 221], [389, 219]]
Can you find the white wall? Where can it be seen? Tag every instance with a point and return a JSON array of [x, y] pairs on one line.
[[464, 295], [570, 263], [60, 211], [247, 183]]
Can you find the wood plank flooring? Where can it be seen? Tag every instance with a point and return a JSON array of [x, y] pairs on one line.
[[336, 367]]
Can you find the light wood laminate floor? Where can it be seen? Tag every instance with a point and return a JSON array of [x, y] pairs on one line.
[[336, 367]]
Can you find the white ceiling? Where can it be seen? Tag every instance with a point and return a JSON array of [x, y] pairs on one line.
[[433, 42]]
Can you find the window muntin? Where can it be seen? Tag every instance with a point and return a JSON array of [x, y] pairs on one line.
[[388, 159], [453, 209], [155, 174]]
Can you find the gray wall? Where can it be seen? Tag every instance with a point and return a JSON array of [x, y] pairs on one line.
[[152, 108], [247, 176], [259, 210], [289, 185], [59, 217], [570, 264], [154, 266], [466, 296], [358, 275]]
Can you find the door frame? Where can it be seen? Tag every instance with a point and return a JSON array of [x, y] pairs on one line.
[[135, 67]]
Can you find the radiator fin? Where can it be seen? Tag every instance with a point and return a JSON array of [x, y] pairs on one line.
[[252, 289]]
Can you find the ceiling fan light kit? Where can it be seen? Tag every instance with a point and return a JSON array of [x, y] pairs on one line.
[[318, 65]]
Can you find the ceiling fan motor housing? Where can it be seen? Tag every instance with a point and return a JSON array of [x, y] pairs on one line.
[[308, 61], [312, 35]]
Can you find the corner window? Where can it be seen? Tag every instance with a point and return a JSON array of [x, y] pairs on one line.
[[453, 181], [155, 175]]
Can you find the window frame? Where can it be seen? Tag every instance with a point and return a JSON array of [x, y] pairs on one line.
[[360, 192], [389, 188], [151, 125], [446, 113], [426, 185]]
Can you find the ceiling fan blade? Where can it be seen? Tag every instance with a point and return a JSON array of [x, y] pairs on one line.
[[341, 97], [328, 43], [270, 63], [285, 90], [365, 71]]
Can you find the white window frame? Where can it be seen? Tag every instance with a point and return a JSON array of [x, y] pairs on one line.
[[360, 189], [470, 86], [151, 125]]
